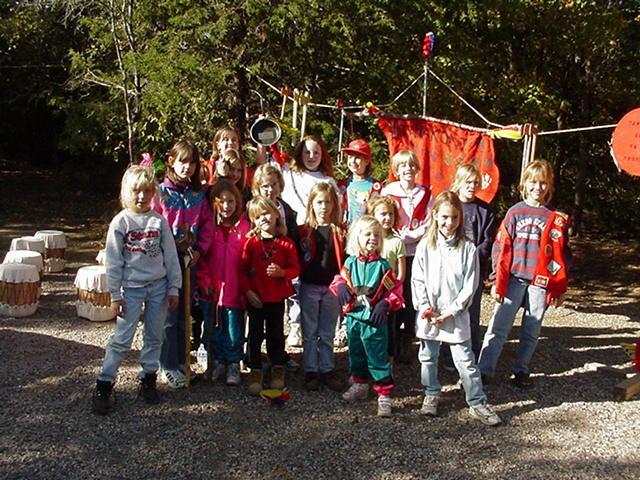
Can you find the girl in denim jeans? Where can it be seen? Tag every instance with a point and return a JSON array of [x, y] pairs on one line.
[[444, 278], [321, 253], [142, 268], [530, 257]]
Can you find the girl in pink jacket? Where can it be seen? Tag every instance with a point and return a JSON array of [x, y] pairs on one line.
[[223, 305]]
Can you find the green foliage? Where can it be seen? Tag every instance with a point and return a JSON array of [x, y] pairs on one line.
[[189, 67]]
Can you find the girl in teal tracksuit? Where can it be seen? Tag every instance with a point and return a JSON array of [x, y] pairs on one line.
[[367, 290]]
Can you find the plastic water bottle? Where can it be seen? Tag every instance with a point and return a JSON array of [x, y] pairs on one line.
[[201, 355]]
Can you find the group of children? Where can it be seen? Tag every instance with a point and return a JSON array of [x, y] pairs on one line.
[[378, 258]]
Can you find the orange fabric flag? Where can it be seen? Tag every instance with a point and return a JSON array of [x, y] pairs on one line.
[[440, 148]]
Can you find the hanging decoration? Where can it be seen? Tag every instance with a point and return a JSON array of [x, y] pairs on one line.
[[625, 143], [427, 49]]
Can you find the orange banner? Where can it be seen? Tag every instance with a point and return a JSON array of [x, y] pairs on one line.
[[440, 148]]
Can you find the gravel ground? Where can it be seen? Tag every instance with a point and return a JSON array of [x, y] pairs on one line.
[[566, 427]]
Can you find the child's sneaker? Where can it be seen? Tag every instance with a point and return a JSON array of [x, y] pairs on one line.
[[217, 370], [357, 391], [103, 398], [255, 382], [340, 340], [485, 414], [277, 377], [294, 339], [174, 378], [148, 390], [384, 406], [430, 405], [233, 374]]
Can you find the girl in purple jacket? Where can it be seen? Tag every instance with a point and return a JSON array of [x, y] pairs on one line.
[[184, 204]]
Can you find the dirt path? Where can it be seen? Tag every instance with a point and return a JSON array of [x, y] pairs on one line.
[[567, 427]]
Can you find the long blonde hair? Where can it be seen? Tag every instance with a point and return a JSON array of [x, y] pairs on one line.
[[362, 223], [451, 199], [538, 170], [319, 188], [259, 205]]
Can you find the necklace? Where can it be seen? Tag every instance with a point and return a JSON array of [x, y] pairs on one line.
[[408, 194], [267, 254]]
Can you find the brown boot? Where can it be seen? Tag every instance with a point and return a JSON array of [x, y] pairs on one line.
[[333, 380], [255, 382], [277, 377]]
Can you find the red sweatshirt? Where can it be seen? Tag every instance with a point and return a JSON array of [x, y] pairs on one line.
[[257, 256]]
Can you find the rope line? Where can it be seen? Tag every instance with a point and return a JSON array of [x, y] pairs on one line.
[[580, 129], [464, 101]]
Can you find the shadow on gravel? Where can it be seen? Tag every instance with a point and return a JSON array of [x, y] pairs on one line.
[[29, 356]]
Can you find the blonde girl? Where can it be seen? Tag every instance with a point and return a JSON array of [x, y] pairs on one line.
[[142, 269], [413, 203], [368, 290], [183, 202], [530, 258], [321, 253], [480, 228], [385, 210], [222, 302], [444, 278], [269, 264], [269, 182]]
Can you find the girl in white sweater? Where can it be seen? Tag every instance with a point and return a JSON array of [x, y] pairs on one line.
[[444, 278]]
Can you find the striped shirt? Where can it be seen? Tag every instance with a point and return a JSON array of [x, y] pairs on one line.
[[525, 225]]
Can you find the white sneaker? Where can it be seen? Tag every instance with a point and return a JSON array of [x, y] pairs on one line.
[[485, 414], [295, 336], [174, 378], [384, 406], [340, 339], [430, 405], [233, 374], [357, 391], [217, 370]]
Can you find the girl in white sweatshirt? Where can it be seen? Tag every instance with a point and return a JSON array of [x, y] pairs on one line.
[[444, 278]]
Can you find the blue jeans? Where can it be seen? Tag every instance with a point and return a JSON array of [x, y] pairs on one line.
[[228, 337], [320, 311], [520, 294], [174, 342], [465, 363], [154, 298]]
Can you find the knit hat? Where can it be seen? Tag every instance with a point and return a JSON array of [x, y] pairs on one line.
[[358, 148]]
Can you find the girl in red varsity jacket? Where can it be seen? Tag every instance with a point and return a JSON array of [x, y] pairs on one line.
[[530, 257], [413, 200]]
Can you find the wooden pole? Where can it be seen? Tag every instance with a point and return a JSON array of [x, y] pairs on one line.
[[187, 319], [424, 96]]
